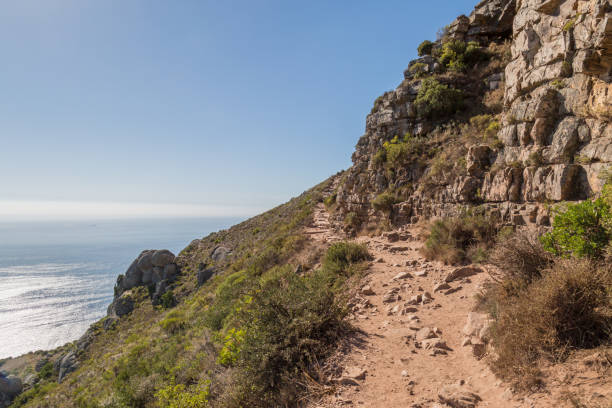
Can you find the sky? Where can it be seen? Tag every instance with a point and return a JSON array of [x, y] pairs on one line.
[[115, 108]]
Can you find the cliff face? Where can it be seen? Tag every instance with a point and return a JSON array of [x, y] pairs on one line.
[[543, 91]]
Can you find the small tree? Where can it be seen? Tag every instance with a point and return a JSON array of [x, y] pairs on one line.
[[435, 99]]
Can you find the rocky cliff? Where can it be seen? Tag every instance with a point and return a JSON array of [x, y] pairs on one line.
[[531, 125]]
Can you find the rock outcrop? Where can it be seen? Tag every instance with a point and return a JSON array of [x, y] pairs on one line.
[[155, 269], [552, 136]]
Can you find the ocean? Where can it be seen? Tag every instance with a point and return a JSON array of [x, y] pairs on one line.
[[56, 278]]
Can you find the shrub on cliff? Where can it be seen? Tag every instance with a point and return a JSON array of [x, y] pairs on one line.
[[581, 230], [384, 202], [425, 48], [458, 56], [437, 100]]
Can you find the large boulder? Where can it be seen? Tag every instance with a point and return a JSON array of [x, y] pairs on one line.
[[133, 276], [145, 260], [162, 257], [170, 272]]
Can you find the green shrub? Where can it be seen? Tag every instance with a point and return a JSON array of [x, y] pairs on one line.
[[418, 70], [492, 129], [535, 159], [341, 255], [396, 152], [231, 347], [330, 200], [436, 100], [581, 230], [458, 56], [168, 300], [292, 323], [174, 322], [480, 122], [46, 371], [352, 220], [179, 396], [425, 48], [380, 157], [384, 202]]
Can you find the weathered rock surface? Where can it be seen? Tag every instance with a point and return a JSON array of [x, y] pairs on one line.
[[555, 134], [153, 268], [68, 364]]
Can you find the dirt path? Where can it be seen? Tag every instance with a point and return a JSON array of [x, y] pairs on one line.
[[396, 368]]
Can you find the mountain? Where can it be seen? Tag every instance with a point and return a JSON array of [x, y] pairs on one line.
[[462, 260]]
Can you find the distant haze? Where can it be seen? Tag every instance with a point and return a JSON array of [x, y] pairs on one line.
[[191, 108], [74, 210]]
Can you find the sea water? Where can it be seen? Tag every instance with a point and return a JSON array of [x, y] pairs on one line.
[[56, 278]]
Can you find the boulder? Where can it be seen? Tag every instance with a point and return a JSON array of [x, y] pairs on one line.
[[477, 326], [170, 272], [133, 276], [147, 276], [68, 364], [564, 142], [463, 272], [145, 261], [157, 275], [220, 253], [121, 306], [162, 257], [478, 158], [10, 385]]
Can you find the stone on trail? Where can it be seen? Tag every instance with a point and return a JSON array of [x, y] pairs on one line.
[[367, 291], [402, 275], [463, 272], [441, 286], [391, 296], [457, 396], [355, 373], [424, 334]]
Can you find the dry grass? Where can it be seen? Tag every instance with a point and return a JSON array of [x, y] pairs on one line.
[[460, 239], [567, 308], [521, 257]]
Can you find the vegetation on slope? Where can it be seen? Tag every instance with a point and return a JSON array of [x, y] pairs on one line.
[[554, 295], [247, 337]]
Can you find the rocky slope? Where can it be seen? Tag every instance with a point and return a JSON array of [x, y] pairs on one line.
[[553, 134]]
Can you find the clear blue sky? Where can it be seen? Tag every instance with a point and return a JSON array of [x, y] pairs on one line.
[[200, 103]]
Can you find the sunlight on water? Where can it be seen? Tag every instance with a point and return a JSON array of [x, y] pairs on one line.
[[57, 279]]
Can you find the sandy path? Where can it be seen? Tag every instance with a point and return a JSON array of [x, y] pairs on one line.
[[398, 373]]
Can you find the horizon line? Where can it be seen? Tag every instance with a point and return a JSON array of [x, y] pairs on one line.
[[34, 210]]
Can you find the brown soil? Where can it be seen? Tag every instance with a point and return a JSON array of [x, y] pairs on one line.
[[400, 374]]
